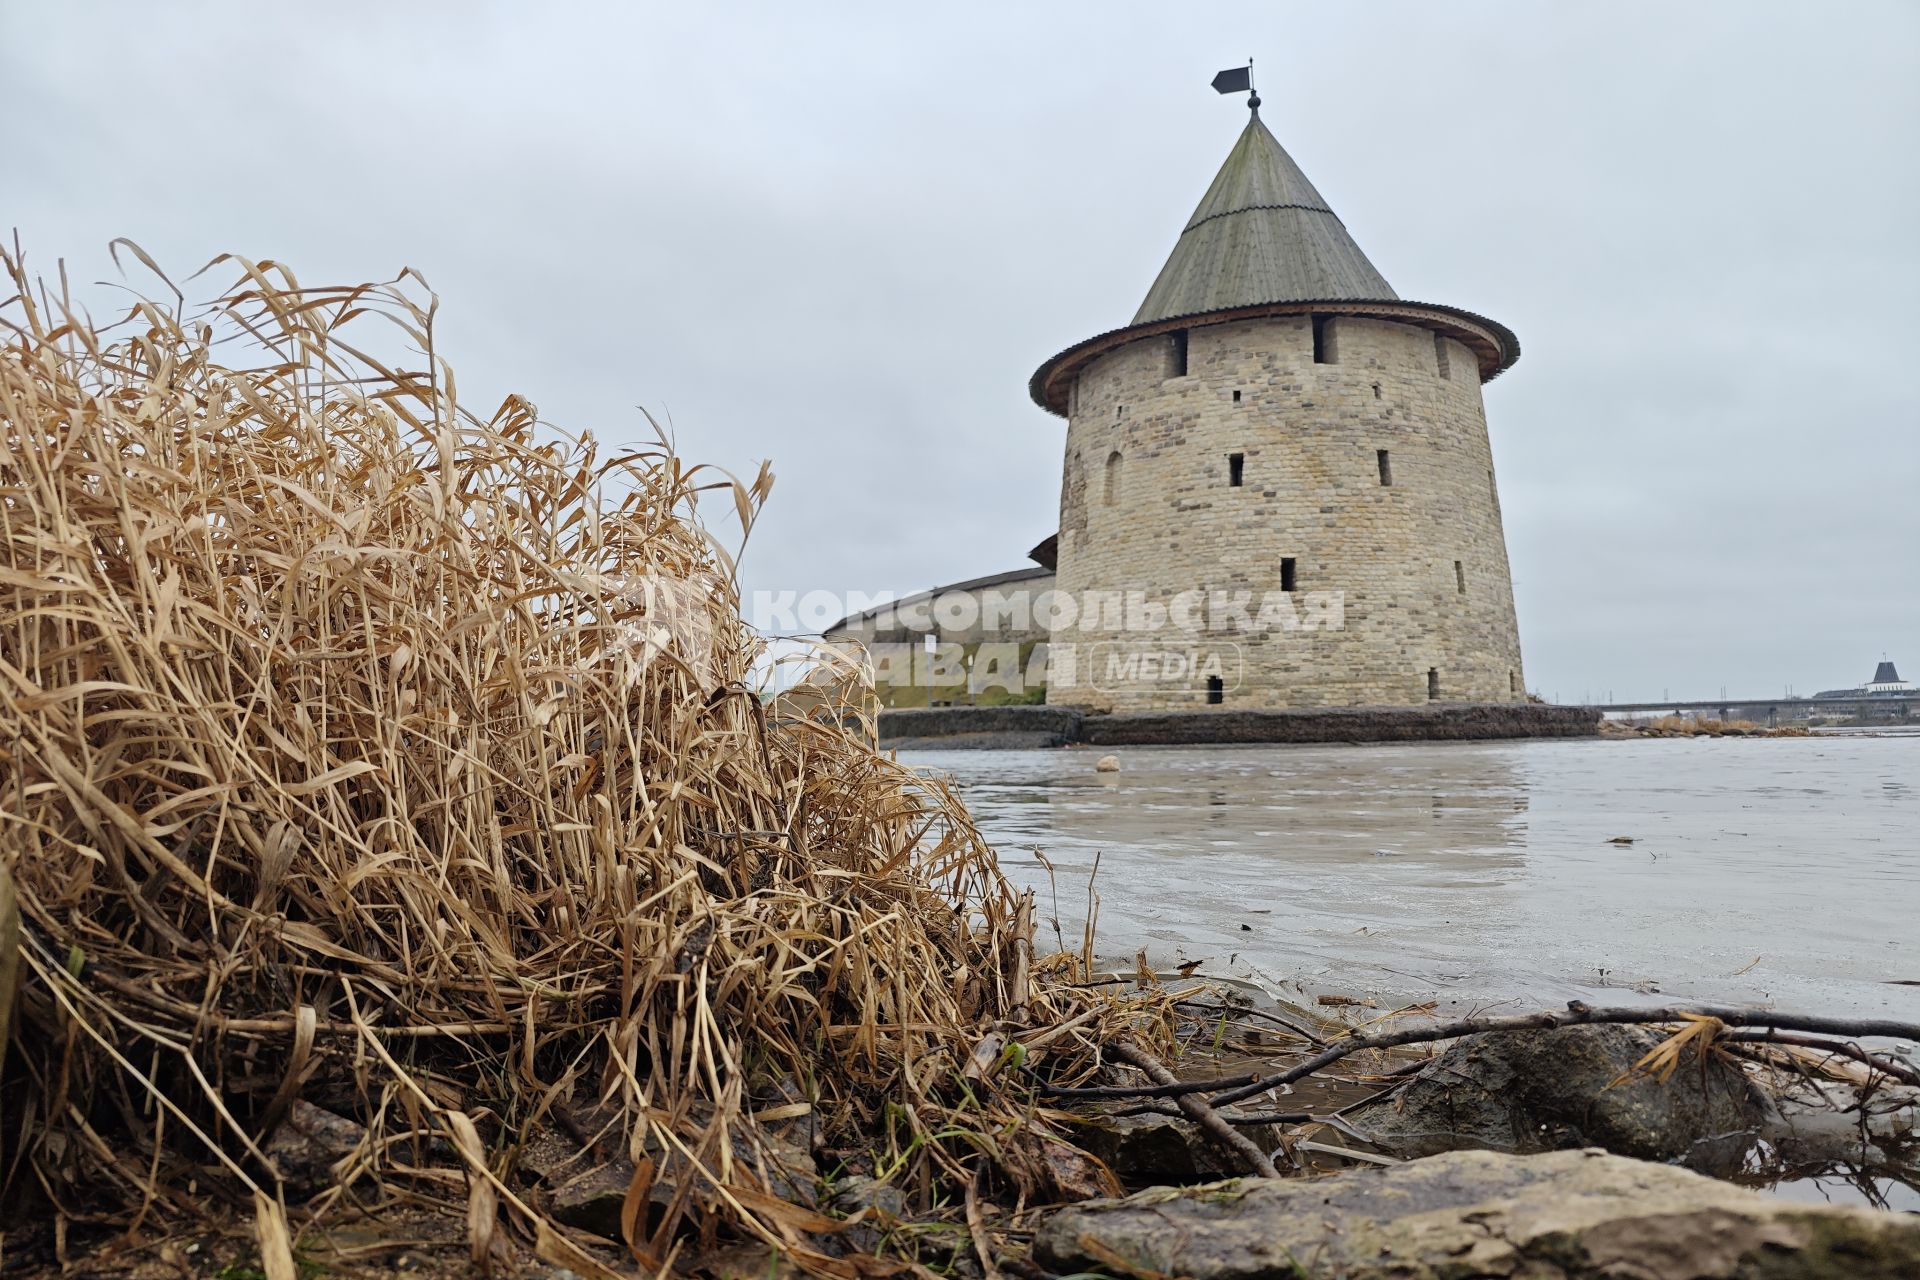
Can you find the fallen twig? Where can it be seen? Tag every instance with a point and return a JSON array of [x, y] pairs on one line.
[[1346, 1153], [977, 1225], [1575, 1014], [1274, 1018], [1198, 1111], [1845, 1048], [1261, 1117], [1171, 1089], [1251, 1118], [1231, 1117]]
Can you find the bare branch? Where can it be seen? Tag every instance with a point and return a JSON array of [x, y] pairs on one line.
[[1575, 1014], [1198, 1111], [1845, 1048]]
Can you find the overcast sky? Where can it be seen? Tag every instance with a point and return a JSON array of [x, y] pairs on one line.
[[841, 237]]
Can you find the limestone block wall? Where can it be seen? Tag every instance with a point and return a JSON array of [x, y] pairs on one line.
[[1419, 565]]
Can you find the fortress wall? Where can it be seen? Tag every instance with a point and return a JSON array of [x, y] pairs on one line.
[[1164, 518], [997, 612]]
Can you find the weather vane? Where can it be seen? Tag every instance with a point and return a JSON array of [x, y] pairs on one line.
[[1239, 80]]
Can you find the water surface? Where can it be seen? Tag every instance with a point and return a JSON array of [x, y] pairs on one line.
[[1482, 875]]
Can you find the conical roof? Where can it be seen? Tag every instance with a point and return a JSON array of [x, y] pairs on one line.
[[1885, 674], [1261, 234], [1265, 243]]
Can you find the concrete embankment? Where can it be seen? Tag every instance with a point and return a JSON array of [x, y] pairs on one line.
[[1006, 728]]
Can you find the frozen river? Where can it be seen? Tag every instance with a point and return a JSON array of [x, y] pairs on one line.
[[1783, 870]]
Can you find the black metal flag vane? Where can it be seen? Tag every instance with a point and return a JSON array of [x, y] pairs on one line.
[[1239, 80]]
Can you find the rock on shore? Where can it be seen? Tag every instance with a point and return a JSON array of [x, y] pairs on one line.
[[1569, 1215], [1555, 1090]]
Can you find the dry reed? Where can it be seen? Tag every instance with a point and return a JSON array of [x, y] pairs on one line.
[[353, 747]]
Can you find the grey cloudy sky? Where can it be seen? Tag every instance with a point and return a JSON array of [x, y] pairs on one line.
[[842, 236]]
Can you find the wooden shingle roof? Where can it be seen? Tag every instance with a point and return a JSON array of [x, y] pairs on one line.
[[1261, 234]]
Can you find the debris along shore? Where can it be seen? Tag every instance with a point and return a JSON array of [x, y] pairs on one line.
[[408, 876]]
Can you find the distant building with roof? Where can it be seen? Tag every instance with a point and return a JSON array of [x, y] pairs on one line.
[[1886, 683]]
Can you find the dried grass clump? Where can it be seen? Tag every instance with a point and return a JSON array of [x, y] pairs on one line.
[[1702, 727], [353, 747]]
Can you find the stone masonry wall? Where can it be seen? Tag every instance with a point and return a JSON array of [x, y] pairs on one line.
[[1163, 519]]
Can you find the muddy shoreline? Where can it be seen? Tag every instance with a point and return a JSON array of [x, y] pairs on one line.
[[1562, 1152]]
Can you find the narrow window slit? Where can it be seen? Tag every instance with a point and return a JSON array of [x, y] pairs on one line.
[[1460, 577], [1216, 691], [1433, 684], [1180, 353], [1236, 397], [1386, 466], [1112, 491], [1236, 468], [1288, 573], [1325, 349]]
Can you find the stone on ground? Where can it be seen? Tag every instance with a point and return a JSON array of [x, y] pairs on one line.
[[308, 1146], [1570, 1215], [1148, 1149], [1530, 1091]]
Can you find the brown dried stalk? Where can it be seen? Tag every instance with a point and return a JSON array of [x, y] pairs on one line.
[[313, 681]]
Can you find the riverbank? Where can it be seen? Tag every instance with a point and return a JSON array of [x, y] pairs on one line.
[[1026, 727], [1225, 1139]]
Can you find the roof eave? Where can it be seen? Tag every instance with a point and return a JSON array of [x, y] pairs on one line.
[[1023, 574], [1494, 345]]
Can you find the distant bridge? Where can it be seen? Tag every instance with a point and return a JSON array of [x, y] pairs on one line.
[[1773, 708]]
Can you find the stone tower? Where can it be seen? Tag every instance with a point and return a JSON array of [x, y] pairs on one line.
[[1278, 487]]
